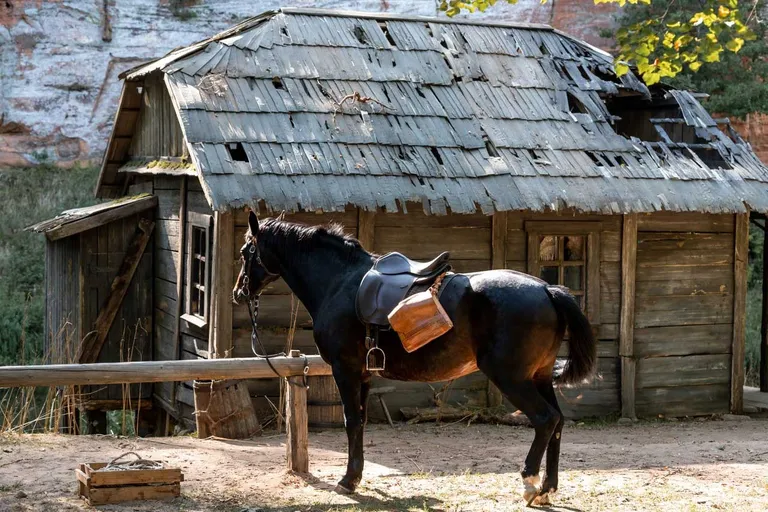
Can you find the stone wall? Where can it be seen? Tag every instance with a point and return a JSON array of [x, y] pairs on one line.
[[59, 59]]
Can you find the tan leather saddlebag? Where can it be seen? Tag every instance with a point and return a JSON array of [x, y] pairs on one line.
[[420, 318]]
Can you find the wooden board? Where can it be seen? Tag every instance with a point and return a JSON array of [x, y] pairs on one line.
[[686, 310], [683, 400], [683, 340], [741, 259], [665, 248], [683, 272], [683, 370], [686, 222], [473, 243], [274, 310]]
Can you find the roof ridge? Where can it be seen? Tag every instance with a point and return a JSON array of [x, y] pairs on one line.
[[343, 13]]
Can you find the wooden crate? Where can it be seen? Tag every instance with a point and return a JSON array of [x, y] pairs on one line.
[[103, 487]]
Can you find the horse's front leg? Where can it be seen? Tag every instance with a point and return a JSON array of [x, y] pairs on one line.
[[350, 384]]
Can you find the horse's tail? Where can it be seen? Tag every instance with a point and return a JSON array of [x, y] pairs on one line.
[[582, 346]]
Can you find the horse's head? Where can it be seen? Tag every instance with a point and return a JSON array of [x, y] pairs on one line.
[[254, 274]]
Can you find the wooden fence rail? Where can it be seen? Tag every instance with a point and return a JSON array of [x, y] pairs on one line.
[[292, 367], [157, 371]]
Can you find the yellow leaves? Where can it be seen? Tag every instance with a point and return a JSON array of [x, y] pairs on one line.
[[694, 66], [723, 12], [735, 44], [621, 68]]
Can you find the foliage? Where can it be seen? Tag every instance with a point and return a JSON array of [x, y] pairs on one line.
[[754, 306], [668, 40], [28, 196]]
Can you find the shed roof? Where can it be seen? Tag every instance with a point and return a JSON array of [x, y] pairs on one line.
[[313, 109]]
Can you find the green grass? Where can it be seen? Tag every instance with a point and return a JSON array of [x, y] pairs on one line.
[[27, 196]]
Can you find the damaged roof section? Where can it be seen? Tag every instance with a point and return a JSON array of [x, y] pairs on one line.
[[315, 110]]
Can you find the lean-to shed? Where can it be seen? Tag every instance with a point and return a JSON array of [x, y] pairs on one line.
[[510, 145]]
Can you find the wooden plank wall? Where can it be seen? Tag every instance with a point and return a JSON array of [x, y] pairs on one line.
[[157, 132], [129, 339], [166, 252], [62, 299], [602, 396], [684, 313]]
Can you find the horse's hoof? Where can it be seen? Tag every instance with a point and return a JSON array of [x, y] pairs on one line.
[[531, 488], [340, 489], [542, 500]]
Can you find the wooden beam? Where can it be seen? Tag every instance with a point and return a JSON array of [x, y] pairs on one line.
[[90, 348], [366, 227], [102, 218], [180, 273], [158, 371], [297, 423], [764, 321], [740, 259], [223, 281], [494, 397], [627, 315]]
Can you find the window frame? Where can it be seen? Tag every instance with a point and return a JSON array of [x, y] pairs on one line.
[[590, 230], [204, 222]]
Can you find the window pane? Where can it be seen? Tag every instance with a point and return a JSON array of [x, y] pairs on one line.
[[549, 274], [574, 248], [201, 304], [195, 299], [548, 248], [573, 277]]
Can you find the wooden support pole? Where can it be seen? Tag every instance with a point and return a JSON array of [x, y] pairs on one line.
[[494, 397], [157, 371], [740, 259], [764, 321], [223, 282], [90, 349], [366, 227], [297, 422], [180, 273], [627, 319]]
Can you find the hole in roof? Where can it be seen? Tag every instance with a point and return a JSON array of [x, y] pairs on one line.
[[386, 92], [277, 83], [421, 180], [543, 49], [237, 152], [712, 158], [429, 30], [361, 153], [290, 118], [595, 159], [436, 154], [621, 161], [587, 129], [323, 91], [402, 154], [419, 92], [370, 57], [490, 147], [284, 31], [584, 73], [360, 35], [327, 125], [575, 105], [306, 89], [385, 29]]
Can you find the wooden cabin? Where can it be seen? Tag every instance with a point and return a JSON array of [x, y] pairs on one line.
[[511, 146]]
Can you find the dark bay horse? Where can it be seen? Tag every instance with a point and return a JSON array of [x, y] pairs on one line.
[[507, 324]]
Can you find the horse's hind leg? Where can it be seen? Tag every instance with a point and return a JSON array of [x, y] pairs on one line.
[[549, 486], [525, 396]]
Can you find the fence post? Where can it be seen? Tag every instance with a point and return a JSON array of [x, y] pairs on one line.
[[297, 425]]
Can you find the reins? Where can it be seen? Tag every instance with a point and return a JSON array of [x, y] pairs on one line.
[[253, 313]]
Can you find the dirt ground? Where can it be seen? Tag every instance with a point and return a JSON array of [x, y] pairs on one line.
[[680, 466]]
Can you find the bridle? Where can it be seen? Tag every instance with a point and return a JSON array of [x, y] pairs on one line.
[[254, 255]]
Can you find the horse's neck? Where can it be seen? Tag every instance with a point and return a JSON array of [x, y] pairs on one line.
[[312, 277]]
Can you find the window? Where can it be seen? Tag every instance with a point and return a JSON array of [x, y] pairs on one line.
[[198, 272], [566, 253]]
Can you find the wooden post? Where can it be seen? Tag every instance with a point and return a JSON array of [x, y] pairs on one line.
[[180, 273], [494, 397], [297, 423], [741, 255], [366, 226], [91, 347], [627, 327], [764, 322], [223, 280]]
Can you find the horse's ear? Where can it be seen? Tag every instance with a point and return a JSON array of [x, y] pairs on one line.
[[281, 216], [253, 223]]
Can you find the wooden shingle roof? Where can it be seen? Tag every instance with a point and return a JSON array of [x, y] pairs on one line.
[[308, 109]]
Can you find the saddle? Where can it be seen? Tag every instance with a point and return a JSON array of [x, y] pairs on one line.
[[390, 280]]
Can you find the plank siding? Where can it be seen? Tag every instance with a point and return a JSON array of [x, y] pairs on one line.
[[157, 132], [684, 313]]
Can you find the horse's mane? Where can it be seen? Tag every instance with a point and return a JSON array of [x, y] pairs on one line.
[[290, 237]]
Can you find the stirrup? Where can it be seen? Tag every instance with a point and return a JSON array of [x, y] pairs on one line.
[[372, 360]]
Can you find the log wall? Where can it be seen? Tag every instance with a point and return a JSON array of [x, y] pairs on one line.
[[684, 313]]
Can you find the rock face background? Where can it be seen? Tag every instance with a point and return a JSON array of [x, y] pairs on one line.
[[59, 59]]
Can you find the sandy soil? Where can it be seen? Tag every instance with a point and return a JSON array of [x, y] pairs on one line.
[[682, 466]]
